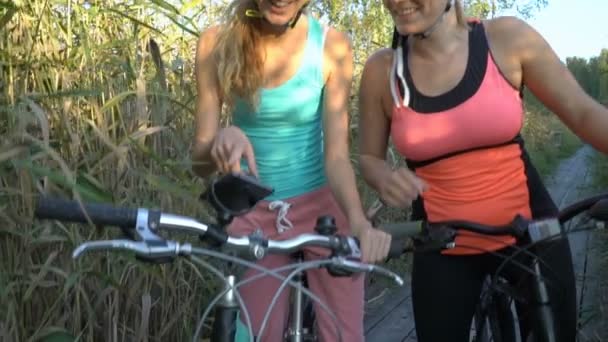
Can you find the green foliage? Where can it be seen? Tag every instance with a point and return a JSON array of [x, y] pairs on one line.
[[591, 74], [368, 25], [548, 140], [492, 8]]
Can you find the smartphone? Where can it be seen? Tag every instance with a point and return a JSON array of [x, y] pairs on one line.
[[238, 192]]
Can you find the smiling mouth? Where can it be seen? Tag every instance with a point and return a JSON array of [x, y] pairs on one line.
[[280, 3], [405, 11]]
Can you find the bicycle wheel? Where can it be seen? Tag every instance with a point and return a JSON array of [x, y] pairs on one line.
[[495, 319]]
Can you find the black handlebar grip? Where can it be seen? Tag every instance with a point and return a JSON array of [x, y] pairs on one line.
[[400, 233], [599, 210], [398, 247], [402, 230], [71, 211]]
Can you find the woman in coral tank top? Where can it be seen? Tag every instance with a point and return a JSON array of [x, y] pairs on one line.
[[449, 95]]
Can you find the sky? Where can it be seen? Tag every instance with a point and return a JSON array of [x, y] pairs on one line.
[[573, 27]]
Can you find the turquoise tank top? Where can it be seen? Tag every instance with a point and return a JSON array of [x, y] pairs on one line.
[[286, 129]]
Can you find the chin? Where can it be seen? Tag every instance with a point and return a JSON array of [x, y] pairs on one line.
[[278, 21], [405, 29]]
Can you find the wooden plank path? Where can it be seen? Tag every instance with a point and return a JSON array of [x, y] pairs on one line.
[[389, 314]]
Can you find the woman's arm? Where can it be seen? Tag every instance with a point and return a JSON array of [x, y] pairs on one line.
[[554, 85], [397, 188], [338, 66], [374, 123], [208, 104]]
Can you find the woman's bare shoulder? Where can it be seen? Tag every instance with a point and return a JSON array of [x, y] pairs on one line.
[[207, 38], [378, 66]]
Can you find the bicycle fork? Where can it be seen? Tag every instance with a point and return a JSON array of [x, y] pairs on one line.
[[296, 331], [545, 325], [226, 315]]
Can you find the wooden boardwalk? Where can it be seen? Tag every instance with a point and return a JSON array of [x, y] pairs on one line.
[[389, 315]]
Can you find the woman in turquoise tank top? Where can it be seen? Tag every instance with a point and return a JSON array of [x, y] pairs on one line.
[[285, 80]]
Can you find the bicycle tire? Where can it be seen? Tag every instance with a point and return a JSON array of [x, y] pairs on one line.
[[309, 321], [495, 320]]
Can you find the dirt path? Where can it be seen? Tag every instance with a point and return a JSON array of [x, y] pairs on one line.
[[389, 315], [570, 182]]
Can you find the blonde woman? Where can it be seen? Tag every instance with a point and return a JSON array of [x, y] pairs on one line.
[[449, 93], [285, 80]]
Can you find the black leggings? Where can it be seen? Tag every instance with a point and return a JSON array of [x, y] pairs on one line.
[[446, 291]]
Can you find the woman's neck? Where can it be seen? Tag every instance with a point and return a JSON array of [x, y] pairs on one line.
[[446, 38], [274, 35]]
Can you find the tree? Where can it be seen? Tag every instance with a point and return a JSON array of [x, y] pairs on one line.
[[591, 74], [581, 69], [592, 85], [603, 76], [492, 8]]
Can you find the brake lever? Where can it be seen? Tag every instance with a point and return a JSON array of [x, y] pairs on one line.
[[352, 266], [348, 250], [151, 251]]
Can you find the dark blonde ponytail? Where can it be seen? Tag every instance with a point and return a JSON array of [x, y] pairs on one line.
[[240, 66]]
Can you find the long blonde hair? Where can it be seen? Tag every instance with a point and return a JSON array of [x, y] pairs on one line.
[[240, 64]]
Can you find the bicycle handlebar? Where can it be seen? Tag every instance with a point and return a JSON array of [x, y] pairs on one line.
[[440, 235], [129, 218], [145, 224], [138, 219]]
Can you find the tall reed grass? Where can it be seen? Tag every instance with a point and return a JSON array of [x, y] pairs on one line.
[[93, 108]]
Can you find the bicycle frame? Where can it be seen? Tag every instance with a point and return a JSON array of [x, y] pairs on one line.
[[227, 326], [544, 325]]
